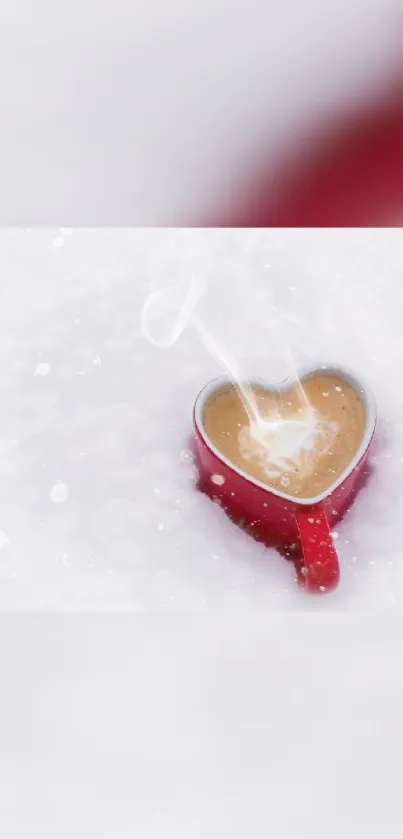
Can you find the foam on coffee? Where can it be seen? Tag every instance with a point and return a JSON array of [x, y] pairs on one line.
[[302, 438]]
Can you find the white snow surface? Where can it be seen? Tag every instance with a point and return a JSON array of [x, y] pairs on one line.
[[106, 432]]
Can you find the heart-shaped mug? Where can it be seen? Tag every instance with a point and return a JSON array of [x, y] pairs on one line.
[[298, 527]]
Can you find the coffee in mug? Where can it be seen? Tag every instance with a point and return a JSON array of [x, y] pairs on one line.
[[301, 439]]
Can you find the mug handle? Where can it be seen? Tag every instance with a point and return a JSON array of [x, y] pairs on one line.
[[320, 569]]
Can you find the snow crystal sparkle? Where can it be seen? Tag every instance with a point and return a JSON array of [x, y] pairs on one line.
[[218, 480], [59, 493], [42, 369]]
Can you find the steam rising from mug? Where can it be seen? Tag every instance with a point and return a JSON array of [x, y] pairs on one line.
[[164, 317], [281, 443]]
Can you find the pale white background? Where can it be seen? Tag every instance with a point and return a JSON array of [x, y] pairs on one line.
[[191, 729], [156, 112], [229, 724]]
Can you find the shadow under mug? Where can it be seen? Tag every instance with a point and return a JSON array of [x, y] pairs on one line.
[[299, 528]]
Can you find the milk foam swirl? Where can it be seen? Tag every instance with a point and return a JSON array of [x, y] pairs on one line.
[[282, 446]]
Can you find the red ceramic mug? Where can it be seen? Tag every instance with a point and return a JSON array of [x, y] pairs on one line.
[[293, 525]]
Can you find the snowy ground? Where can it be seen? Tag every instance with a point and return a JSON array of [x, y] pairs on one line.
[[98, 503]]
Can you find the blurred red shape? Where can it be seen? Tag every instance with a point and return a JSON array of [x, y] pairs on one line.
[[353, 177]]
